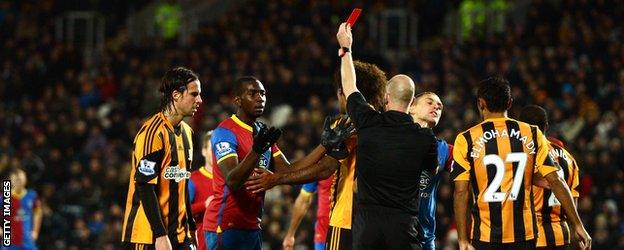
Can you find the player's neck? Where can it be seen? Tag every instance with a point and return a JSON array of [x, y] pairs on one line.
[[173, 117], [245, 118], [494, 115], [423, 123], [208, 165]]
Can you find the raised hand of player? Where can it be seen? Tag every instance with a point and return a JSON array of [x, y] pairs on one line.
[[344, 36], [261, 180], [583, 237], [264, 138]]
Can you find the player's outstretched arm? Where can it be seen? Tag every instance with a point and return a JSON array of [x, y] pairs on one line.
[[563, 194], [300, 208], [263, 179], [460, 204]]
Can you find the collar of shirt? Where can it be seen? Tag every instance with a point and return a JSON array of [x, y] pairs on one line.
[[398, 117]]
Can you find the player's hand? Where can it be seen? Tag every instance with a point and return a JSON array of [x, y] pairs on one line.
[[34, 235], [344, 36], [163, 243], [289, 242], [264, 137], [333, 139], [465, 245], [261, 180], [583, 237]]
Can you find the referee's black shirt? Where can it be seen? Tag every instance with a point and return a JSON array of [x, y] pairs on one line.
[[391, 153]]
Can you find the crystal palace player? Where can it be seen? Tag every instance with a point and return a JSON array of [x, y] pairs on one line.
[[26, 214], [426, 111], [240, 145], [200, 189]]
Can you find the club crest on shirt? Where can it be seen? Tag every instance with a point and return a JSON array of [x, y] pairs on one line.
[[146, 167], [176, 173]]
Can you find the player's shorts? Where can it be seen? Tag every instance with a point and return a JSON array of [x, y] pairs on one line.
[[234, 239], [384, 228], [522, 245], [564, 247], [186, 245], [338, 238]]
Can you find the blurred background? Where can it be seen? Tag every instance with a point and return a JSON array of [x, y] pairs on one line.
[[77, 78]]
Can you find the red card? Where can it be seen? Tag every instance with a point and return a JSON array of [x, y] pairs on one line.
[[354, 16]]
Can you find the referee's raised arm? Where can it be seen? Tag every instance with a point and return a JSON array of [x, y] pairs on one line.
[[347, 71]]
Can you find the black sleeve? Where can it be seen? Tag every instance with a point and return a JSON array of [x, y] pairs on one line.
[[189, 210], [148, 168], [431, 160], [361, 113], [147, 195]]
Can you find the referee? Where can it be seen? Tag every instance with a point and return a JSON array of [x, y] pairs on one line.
[[392, 151]]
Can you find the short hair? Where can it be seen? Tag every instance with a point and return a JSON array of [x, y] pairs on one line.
[[496, 93], [174, 79], [421, 94], [371, 82], [239, 85], [206, 138], [535, 115]]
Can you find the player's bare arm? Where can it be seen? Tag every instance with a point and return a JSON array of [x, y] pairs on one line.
[[460, 203], [282, 164], [563, 194], [300, 208], [264, 180]]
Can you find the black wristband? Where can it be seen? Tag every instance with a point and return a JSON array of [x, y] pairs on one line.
[[343, 51]]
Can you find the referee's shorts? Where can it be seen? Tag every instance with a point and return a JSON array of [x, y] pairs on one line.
[[384, 228]]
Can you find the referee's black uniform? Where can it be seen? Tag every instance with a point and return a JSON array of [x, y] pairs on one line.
[[391, 153]]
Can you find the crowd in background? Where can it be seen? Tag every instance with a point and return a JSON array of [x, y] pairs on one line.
[[70, 121]]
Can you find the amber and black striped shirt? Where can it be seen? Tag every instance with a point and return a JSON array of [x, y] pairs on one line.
[[162, 157], [552, 227], [499, 157]]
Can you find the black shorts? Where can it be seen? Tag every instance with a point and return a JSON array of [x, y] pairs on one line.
[[382, 228], [522, 245], [338, 239], [564, 247], [186, 245]]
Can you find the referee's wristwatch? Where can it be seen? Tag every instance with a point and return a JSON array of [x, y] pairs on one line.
[[343, 51]]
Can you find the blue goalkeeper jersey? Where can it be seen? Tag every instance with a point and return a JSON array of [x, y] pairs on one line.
[[428, 187]]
